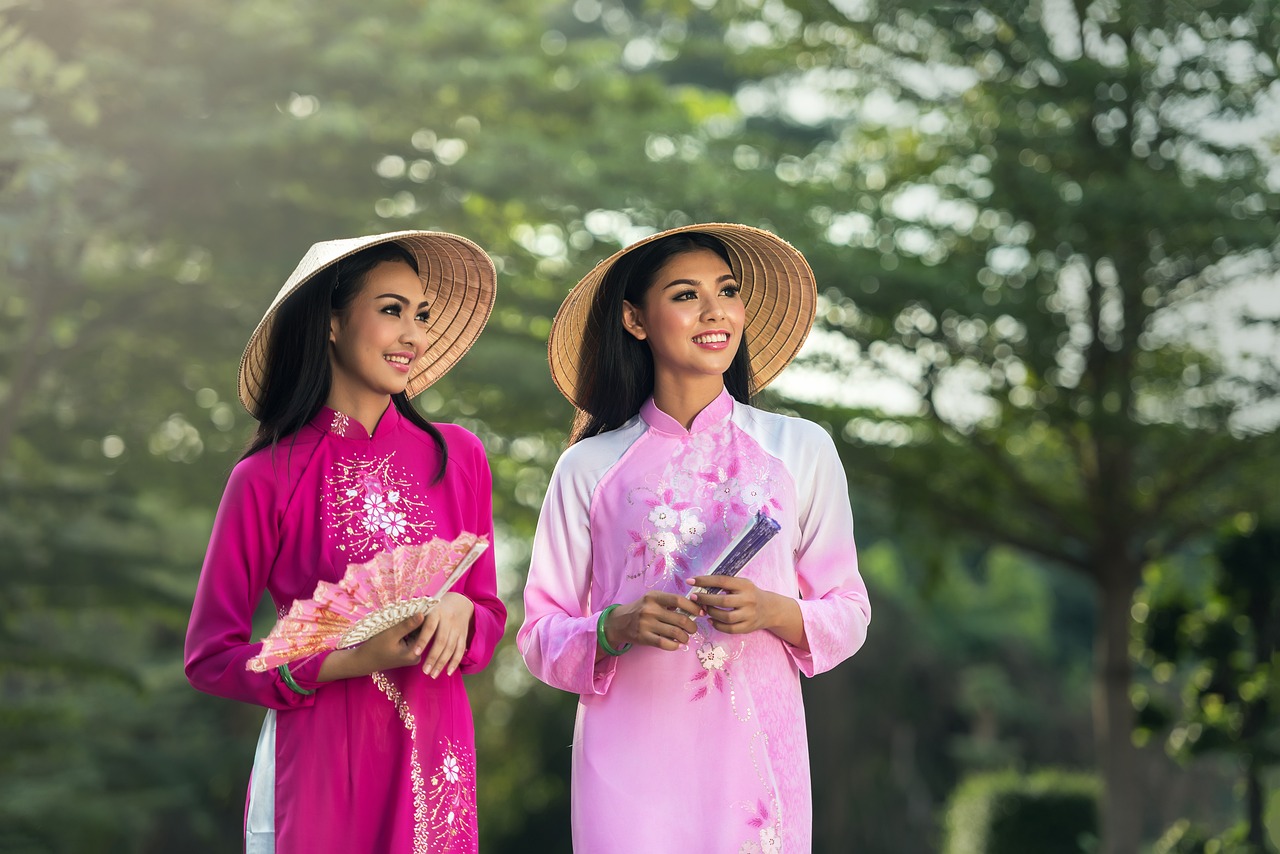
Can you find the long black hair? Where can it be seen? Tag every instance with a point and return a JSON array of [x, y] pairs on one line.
[[615, 369], [298, 373]]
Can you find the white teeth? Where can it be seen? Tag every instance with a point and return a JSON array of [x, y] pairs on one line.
[[711, 338], [399, 360]]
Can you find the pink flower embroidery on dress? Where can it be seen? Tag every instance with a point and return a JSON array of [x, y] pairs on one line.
[[768, 835], [670, 524]]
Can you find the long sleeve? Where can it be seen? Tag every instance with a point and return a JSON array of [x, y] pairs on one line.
[[481, 584], [834, 603], [558, 638], [242, 549]]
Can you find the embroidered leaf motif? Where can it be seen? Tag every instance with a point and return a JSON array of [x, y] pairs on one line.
[[703, 674], [699, 694]]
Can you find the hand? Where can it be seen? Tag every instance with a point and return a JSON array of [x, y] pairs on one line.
[[741, 607], [445, 630], [391, 648], [655, 619]]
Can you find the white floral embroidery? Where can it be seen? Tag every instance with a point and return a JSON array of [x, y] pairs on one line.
[[752, 495], [750, 848], [451, 773], [663, 543], [370, 505], [770, 841], [663, 516], [726, 489], [393, 523], [691, 529], [712, 656]]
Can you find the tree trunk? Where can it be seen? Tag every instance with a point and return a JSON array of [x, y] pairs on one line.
[[1121, 807]]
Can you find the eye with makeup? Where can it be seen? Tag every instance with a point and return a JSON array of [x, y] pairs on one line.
[[424, 316]]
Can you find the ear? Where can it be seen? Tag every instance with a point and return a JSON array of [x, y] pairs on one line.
[[333, 327], [633, 321]]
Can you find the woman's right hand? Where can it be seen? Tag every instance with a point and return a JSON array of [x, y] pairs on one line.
[[655, 619], [391, 648]]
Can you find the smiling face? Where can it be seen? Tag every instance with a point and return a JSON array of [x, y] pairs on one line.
[[692, 318], [375, 341]]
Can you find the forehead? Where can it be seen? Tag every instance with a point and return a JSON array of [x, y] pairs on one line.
[[696, 264], [393, 277]]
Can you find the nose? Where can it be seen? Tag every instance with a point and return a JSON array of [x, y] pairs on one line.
[[712, 309], [412, 335]]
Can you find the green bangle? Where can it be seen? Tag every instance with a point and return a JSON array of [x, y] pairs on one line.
[[604, 641], [283, 670]]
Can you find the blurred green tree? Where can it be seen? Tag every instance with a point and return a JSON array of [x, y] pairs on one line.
[[1225, 646], [1018, 262], [1047, 233]]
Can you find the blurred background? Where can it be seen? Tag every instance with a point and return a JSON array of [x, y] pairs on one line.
[[1045, 239]]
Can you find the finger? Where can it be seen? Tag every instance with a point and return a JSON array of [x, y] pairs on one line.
[[429, 627], [677, 633], [440, 649], [723, 581], [447, 650], [711, 600], [729, 622], [459, 650], [408, 625], [662, 642], [437, 649], [671, 603], [682, 622]]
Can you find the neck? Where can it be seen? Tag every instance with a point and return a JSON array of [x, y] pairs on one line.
[[367, 409], [683, 400]]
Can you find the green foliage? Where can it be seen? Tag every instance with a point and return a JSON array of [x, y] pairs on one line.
[[163, 165], [892, 734], [1222, 641], [1184, 837], [1049, 811]]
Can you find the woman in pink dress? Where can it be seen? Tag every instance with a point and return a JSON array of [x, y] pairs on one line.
[[369, 748], [690, 732]]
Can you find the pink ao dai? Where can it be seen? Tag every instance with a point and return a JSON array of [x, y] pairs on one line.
[[704, 748]]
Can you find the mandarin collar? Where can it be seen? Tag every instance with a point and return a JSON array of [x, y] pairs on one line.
[[712, 414], [344, 426]]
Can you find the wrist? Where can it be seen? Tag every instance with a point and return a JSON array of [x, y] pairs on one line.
[[602, 634]]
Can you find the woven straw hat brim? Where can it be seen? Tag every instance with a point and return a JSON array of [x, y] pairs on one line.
[[778, 288], [460, 283]]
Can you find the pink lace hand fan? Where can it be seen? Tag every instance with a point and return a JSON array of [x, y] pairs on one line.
[[370, 597]]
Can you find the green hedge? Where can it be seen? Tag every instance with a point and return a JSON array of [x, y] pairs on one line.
[[1046, 812]]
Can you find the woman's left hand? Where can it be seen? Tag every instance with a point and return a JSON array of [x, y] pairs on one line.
[[743, 607], [445, 632]]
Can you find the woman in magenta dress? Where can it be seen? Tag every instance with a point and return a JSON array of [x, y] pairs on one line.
[[369, 748], [690, 733]]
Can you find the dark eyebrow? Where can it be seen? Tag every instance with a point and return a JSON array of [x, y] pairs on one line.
[[726, 277], [400, 299]]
